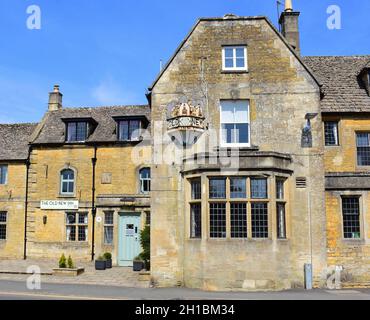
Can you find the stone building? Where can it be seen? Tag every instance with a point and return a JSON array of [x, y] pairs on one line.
[[345, 110], [250, 163], [13, 186]]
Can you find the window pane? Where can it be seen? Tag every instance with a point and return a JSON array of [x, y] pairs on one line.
[[241, 111], [70, 218], [331, 133], [217, 220], [238, 188], [281, 224], [82, 218], [71, 233], [134, 130], [240, 63], [196, 220], [2, 231], [229, 52], [229, 63], [196, 189], [363, 140], [279, 189], [108, 217], [71, 130], [81, 134], [363, 149], [217, 188], [228, 133], [351, 218], [238, 220], [108, 235], [259, 220], [3, 174], [259, 188], [3, 217], [123, 131], [82, 233], [227, 112], [240, 52], [70, 187], [144, 180], [363, 156], [241, 133]]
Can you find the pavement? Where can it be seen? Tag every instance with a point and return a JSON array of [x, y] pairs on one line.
[[15, 270], [17, 290]]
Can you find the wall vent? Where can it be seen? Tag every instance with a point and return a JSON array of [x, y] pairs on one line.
[[301, 183]]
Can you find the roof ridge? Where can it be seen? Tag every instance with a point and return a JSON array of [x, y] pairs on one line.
[[103, 107], [339, 56], [20, 124]]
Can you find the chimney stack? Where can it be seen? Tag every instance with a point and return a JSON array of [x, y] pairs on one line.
[[289, 22], [55, 99]]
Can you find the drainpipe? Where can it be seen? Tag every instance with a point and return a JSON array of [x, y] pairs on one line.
[[28, 162], [93, 208]]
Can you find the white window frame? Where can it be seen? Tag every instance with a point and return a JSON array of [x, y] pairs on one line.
[[141, 179], [108, 225], [77, 226], [234, 68], [68, 180], [225, 144]]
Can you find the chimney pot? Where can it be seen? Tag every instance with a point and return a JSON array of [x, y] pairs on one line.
[[288, 6]]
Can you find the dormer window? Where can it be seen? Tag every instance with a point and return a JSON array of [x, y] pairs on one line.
[[129, 130], [77, 131], [234, 58]]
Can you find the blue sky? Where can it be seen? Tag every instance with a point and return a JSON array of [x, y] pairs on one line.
[[106, 52]]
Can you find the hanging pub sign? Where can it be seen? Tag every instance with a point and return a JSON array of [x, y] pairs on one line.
[[59, 204]]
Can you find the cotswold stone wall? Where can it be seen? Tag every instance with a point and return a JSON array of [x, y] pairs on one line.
[[12, 201], [281, 93], [50, 240], [346, 179]]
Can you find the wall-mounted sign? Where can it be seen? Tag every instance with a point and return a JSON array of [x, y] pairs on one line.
[[59, 204]]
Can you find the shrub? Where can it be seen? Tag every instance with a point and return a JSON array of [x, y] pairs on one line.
[[107, 256], [145, 243], [101, 258], [63, 262], [70, 263]]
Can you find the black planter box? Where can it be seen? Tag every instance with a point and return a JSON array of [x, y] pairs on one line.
[[100, 265], [108, 264], [138, 265]]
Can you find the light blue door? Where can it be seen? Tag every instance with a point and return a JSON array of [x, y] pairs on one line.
[[129, 238]]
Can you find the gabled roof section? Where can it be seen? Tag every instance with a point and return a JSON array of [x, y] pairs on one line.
[[343, 90], [232, 18], [53, 129], [14, 141]]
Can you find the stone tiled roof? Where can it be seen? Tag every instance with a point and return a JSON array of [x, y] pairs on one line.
[[14, 139], [343, 92], [53, 127]]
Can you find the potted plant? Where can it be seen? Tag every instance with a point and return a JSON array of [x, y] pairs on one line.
[[108, 258], [139, 264], [63, 262], [67, 267], [100, 263]]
